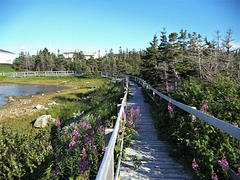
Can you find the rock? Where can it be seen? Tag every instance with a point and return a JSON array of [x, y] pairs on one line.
[[39, 106], [52, 103], [42, 121], [10, 98]]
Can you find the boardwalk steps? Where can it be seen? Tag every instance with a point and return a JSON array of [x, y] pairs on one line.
[[156, 163]]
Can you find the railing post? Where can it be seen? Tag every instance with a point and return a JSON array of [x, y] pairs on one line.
[[193, 118], [110, 173]]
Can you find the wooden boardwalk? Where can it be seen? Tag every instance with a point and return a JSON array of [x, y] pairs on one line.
[[156, 163]]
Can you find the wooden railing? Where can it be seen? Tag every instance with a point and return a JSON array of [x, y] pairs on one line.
[[106, 170], [220, 124]]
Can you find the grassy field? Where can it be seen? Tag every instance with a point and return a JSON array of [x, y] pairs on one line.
[[4, 68], [69, 101]]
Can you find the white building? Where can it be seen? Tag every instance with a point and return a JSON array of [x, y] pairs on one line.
[[6, 57], [87, 54]]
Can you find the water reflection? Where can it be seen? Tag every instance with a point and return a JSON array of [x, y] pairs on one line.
[[11, 89]]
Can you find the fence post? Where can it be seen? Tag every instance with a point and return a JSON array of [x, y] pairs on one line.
[[193, 118], [110, 173]]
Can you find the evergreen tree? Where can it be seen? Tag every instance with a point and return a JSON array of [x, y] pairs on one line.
[[150, 61]]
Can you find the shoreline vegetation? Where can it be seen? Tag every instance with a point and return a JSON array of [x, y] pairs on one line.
[[20, 111]]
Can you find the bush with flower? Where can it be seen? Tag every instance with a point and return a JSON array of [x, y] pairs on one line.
[[211, 148]]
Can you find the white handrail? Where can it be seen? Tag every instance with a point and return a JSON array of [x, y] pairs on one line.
[[105, 165], [220, 124]]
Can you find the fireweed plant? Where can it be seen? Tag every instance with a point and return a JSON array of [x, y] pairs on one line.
[[128, 128], [209, 150], [65, 149]]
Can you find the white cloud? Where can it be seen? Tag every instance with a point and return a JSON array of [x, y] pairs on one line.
[[235, 45]]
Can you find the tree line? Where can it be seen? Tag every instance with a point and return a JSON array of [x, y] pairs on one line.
[[124, 62], [169, 58], [181, 55]]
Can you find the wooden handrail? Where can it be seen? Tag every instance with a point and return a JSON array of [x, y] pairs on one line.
[[103, 172], [220, 124]]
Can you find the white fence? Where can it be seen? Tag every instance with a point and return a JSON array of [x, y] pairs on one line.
[[42, 73]]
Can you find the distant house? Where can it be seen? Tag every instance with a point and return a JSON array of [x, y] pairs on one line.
[[87, 54], [6, 57]]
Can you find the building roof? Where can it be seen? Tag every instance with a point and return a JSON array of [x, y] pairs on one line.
[[4, 51]]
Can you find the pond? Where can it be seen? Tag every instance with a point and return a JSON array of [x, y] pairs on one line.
[[12, 89]]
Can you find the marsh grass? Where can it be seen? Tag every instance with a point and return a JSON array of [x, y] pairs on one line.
[[68, 101]]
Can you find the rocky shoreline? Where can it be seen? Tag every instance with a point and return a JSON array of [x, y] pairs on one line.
[[25, 104]]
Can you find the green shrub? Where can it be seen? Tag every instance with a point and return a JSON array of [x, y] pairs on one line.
[[197, 140]]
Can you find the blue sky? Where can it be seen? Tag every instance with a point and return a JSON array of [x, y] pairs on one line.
[[104, 24]]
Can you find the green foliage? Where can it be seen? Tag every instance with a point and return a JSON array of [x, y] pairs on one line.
[[4, 68], [199, 140], [59, 152]]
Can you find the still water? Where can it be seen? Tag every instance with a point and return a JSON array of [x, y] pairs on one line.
[[11, 89]]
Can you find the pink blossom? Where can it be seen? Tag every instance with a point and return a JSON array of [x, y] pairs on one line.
[[230, 114], [58, 123], [235, 124], [75, 133], [205, 106], [88, 126], [103, 150], [84, 154], [49, 147], [130, 122], [214, 175], [72, 143], [238, 171], [194, 165], [195, 129], [223, 163]]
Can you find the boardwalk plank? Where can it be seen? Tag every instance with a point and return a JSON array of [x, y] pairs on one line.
[[156, 163]]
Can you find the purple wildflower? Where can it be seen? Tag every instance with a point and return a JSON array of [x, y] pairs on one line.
[[214, 175], [88, 141], [56, 171], [137, 111], [84, 154], [102, 128], [238, 171], [205, 106], [103, 150], [130, 123], [72, 143], [170, 109], [223, 163], [58, 123], [49, 147], [99, 120], [194, 165], [75, 133], [88, 126], [84, 124], [82, 164], [230, 114], [235, 124], [195, 129]]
